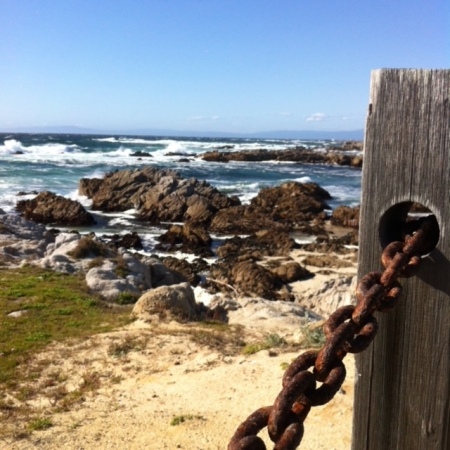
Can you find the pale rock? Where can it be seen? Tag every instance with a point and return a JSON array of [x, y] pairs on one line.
[[176, 301], [283, 318], [105, 281], [331, 295]]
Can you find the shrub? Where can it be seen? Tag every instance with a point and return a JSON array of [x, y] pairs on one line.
[[87, 247]]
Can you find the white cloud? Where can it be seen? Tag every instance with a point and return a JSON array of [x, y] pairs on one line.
[[316, 117], [202, 118]]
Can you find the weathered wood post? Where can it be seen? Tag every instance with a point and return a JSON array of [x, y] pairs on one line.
[[402, 392]]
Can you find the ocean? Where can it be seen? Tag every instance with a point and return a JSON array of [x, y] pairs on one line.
[[56, 162]]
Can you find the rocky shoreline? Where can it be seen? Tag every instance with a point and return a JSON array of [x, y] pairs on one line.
[[254, 260], [262, 279]]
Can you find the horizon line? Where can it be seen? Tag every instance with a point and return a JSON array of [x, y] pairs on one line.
[[73, 129]]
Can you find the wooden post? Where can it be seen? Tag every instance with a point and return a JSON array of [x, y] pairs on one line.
[[402, 390]]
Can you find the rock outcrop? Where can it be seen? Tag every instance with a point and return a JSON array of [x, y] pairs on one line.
[[331, 295], [284, 207], [158, 195], [346, 216], [188, 238], [21, 240], [335, 156], [50, 208]]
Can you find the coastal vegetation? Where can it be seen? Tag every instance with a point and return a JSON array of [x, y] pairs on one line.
[[38, 307], [41, 309]]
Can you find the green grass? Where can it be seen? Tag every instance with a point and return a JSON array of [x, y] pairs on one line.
[[177, 420], [40, 423], [57, 307], [270, 341], [313, 336]]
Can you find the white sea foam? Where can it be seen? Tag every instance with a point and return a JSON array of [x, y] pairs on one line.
[[176, 147], [13, 147], [96, 174], [303, 179], [120, 152], [114, 140]]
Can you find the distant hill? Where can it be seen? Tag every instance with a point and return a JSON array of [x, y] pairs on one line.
[[277, 134]]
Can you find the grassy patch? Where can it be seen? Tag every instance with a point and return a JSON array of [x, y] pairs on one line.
[[313, 336], [40, 423], [121, 347], [271, 341], [221, 337], [121, 269], [177, 420], [54, 307], [127, 298]]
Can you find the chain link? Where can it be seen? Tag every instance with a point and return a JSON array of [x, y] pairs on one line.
[[350, 329]]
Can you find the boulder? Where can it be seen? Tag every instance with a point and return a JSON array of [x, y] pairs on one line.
[[331, 295], [189, 238], [345, 216], [174, 302], [163, 275], [128, 240], [241, 220], [50, 208], [118, 191], [187, 271], [290, 271], [291, 203], [21, 240], [252, 279], [330, 244], [121, 275], [260, 315], [158, 195], [257, 246]]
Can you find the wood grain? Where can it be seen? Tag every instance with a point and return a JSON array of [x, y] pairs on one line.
[[402, 392]]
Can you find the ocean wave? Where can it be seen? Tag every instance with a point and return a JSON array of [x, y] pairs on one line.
[[114, 140], [13, 147]]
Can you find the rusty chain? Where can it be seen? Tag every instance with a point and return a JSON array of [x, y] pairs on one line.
[[350, 329]]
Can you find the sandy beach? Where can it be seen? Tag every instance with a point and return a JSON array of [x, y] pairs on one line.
[[173, 385]]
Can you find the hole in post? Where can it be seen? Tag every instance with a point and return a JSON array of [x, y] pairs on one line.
[[399, 220]]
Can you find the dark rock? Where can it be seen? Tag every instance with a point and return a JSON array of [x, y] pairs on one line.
[[346, 216], [183, 268], [327, 244], [348, 145], [189, 238], [263, 243], [291, 203], [242, 220], [142, 154], [252, 279], [50, 208], [290, 271], [129, 240], [22, 193], [158, 195], [288, 206], [332, 155], [328, 261]]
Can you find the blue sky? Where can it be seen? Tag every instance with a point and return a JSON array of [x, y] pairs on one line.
[[208, 65]]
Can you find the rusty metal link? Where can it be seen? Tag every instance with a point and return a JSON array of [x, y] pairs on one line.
[[350, 329], [366, 327]]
